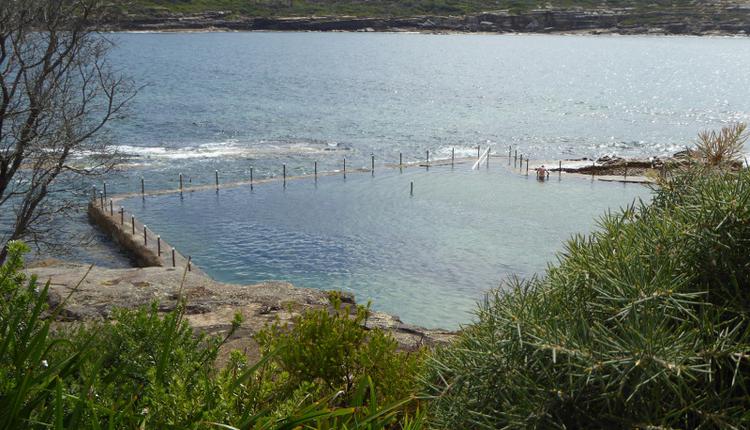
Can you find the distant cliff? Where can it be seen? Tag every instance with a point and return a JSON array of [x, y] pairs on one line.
[[710, 18]]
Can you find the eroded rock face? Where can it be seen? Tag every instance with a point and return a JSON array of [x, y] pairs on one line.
[[211, 305]]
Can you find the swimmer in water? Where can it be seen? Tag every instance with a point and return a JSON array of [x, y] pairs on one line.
[[541, 173]]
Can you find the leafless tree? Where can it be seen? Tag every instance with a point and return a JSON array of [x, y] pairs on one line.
[[58, 94]]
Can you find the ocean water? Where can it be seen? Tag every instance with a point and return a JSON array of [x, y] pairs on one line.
[[427, 257], [229, 101]]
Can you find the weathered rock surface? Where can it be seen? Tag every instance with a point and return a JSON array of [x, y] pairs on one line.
[[708, 18], [211, 305]]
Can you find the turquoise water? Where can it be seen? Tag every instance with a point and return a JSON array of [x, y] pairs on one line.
[[427, 258]]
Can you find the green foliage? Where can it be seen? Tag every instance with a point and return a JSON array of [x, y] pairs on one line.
[[643, 324], [333, 350], [149, 370]]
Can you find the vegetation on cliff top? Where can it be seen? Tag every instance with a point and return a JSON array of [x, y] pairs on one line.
[[389, 8], [146, 369]]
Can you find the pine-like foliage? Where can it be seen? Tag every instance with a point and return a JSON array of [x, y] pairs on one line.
[[643, 324]]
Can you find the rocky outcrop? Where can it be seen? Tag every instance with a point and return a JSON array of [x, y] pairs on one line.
[[211, 305], [708, 19]]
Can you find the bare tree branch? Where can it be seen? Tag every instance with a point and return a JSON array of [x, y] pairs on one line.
[[57, 95]]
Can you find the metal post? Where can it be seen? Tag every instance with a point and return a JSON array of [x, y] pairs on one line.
[[180, 183], [283, 167], [453, 156], [158, 245], [316, 170], [488, 158], [527, 166], [173, 259], [105, 190], [478, 148], [509, 154], [251, 178], [145, 236], [344, 167], [122, 215], [101, 200], [143, 186], [400, 159], [411, 188], [515, 157], [132, 223], [559, 168], [111, 208], [217, 180], [372, 163], [428, 157], [520, 158]]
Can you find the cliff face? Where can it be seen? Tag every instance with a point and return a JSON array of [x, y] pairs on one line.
[[709, 20]]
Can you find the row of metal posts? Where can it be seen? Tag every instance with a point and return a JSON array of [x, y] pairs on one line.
[[517, 161], [133, 225]]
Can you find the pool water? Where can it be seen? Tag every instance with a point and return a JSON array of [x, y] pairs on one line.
[[428, 258]]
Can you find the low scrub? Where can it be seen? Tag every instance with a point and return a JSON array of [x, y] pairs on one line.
[[149, 370], [642, 324]]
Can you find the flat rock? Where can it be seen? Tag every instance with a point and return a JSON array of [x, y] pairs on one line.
[[211, 305]]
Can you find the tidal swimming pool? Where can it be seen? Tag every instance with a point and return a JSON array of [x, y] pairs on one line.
[[428, 258]]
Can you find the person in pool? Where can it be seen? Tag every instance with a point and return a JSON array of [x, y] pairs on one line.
[[541, 173]]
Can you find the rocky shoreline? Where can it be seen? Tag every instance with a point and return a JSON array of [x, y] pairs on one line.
[[709, 19], [211, 305]]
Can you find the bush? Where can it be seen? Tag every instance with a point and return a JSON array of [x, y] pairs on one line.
[[333, 351], [643, 324], [149, 370]]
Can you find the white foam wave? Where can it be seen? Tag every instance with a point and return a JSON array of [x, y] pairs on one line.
[[227, 149]]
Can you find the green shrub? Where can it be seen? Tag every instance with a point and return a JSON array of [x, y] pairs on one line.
[[149, 370], [643, 324], [333, 350]]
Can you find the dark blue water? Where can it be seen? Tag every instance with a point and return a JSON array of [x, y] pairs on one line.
[[231, 100], [428, 258]]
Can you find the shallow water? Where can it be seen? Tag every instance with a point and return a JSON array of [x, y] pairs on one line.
[[427, 258]]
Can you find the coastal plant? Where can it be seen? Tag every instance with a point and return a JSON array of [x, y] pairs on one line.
[[645, 323], [723, 148], [148, 369], [333, 350]]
